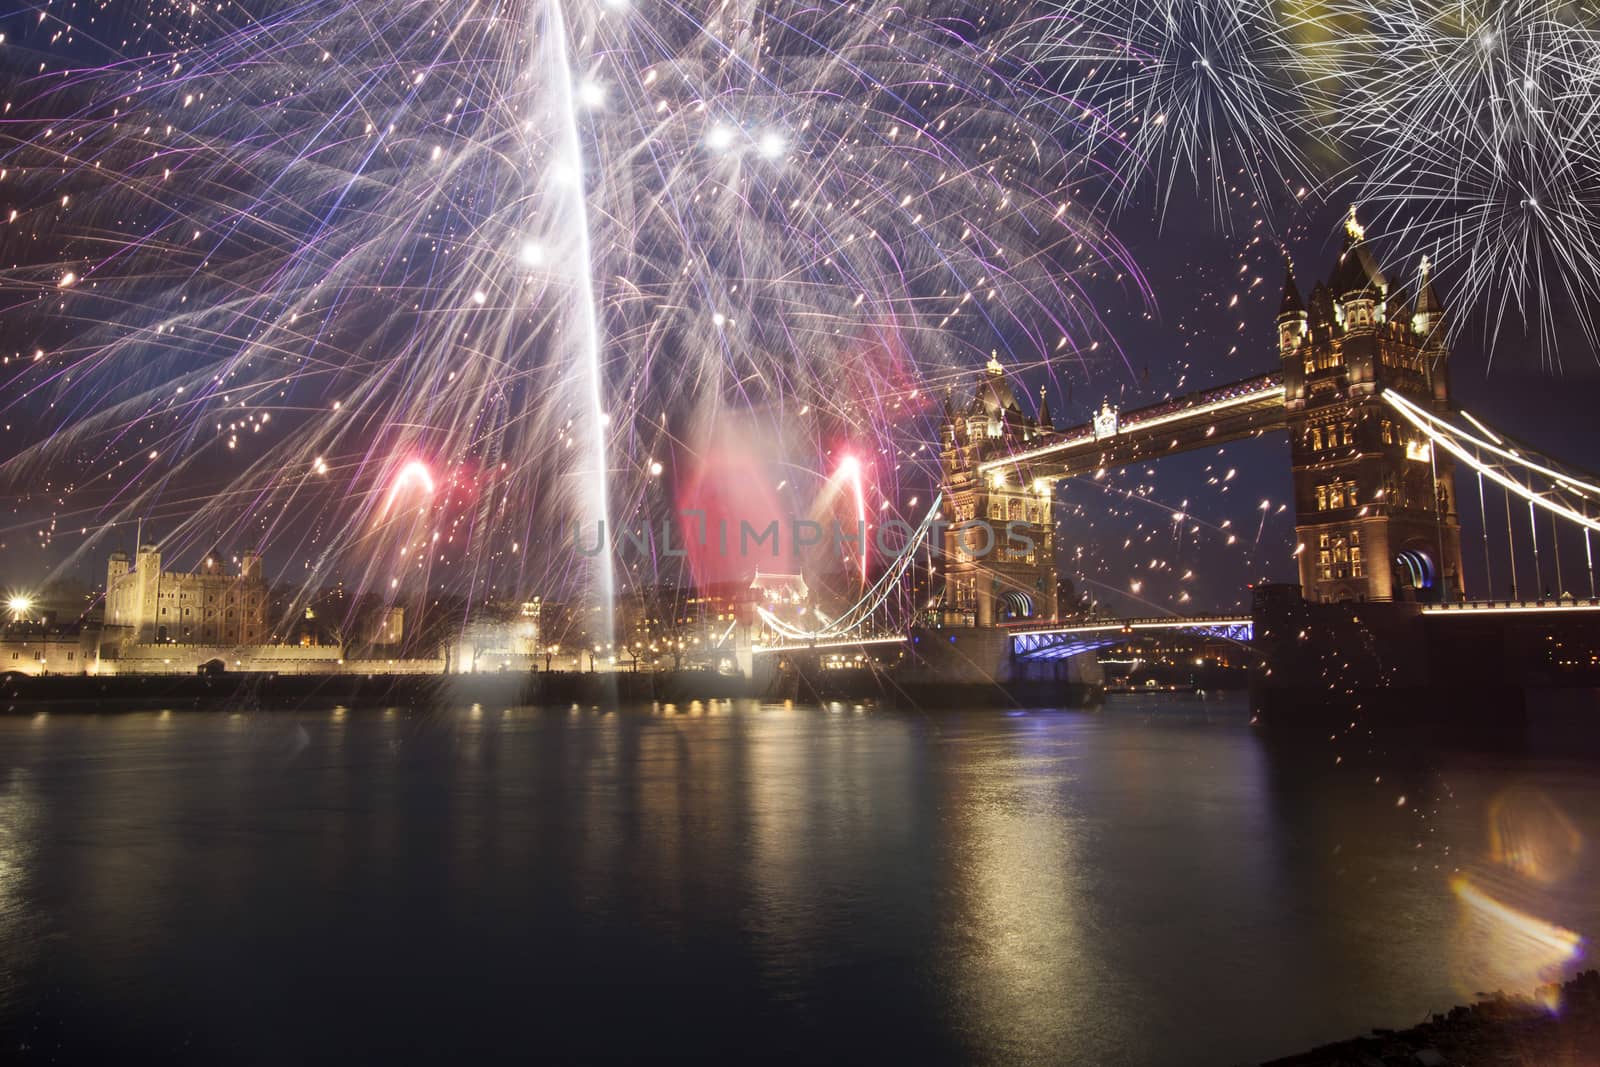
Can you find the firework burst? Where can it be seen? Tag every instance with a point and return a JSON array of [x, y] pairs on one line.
[[527, 245], [1475, 126], [1193, 90]]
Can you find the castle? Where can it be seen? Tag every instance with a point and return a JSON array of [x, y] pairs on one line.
[[206, 607]]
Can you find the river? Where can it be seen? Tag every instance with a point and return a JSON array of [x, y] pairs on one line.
[[1153, 882]]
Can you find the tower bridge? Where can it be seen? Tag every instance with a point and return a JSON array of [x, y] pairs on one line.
[[1374, 501], [1361, 390]]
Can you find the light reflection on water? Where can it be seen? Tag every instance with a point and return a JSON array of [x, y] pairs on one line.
[[1150, 883]]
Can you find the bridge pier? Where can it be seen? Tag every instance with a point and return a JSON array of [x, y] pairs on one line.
[[978, 663], [1477, 670]]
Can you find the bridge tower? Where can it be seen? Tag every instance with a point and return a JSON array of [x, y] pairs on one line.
[[1375, 506], [998, 545]]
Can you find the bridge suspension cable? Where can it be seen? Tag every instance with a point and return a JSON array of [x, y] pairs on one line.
[[856, 615], [1560, 491]]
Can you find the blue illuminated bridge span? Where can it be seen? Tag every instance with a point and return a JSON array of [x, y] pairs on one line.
[[1062, 640], [1056, 640]]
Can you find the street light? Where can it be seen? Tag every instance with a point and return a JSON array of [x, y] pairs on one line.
[[20, 605]]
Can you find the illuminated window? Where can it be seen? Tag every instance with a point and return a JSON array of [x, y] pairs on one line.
[[1324, 359], [1339, 555], [1336, 495]]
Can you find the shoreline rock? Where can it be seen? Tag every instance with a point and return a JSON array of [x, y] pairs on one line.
[[1500, 1030]]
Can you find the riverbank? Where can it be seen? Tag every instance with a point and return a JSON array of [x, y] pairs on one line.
[[266, 691], [1498, 1030]]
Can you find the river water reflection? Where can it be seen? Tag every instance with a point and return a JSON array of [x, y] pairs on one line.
[[1152, 883]]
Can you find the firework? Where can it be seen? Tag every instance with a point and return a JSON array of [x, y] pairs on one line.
[[1193, 90], [526, 246], [1472, 126]]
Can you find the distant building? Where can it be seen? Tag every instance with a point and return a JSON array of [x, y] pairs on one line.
[[44, 648], [388, 626], [497, 642], [207, 607], [780, 590], [783, 598]]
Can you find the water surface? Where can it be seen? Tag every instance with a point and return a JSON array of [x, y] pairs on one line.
[[1152, 883]]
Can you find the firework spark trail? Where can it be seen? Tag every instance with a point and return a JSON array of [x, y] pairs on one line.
[[592, 472], [1188, 87], [305, 249], [1472, 126]]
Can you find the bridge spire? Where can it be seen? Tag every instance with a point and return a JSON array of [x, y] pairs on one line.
[[1291, 304], [1353, 228], [1427, 314], [1293, 322], [1044, 410]]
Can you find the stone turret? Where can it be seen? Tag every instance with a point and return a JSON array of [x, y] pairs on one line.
[[1357, 284], [1374, 507], [1293, 324], [1427, 314], [998, 551]]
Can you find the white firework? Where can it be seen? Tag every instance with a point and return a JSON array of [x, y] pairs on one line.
[[1470, 127], [1196, 90]]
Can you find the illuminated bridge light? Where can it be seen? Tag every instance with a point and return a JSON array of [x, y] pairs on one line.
[[1061, 642], [1268, 387]]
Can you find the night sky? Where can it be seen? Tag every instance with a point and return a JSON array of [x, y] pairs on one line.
[[1216, 286]]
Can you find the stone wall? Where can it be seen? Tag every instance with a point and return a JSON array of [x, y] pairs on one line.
[[280, 659]]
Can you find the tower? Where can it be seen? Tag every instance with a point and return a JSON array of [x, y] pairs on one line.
[[1375, 507], [148, 611], [998, 542]]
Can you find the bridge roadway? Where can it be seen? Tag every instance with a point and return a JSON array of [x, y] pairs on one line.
[[1241, 409], [1231, 627], [1478, 608], [1035, 640]]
